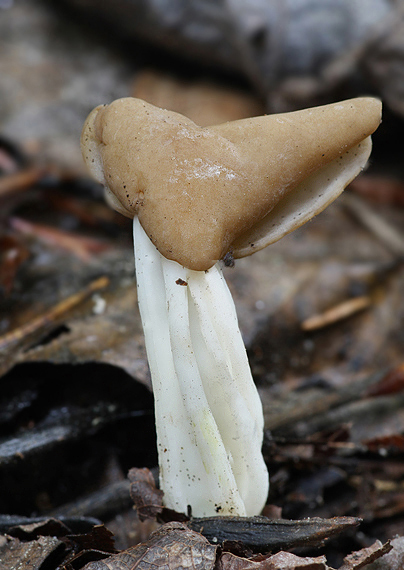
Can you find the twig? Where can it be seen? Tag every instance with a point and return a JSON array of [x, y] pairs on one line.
[[389, 236], [337, 313], [80, 246], [20, 181], [53, 314]]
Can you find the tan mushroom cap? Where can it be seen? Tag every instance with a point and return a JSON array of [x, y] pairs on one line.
[[201, 192]]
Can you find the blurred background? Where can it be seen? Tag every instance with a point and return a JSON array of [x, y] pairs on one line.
[[321, 311], [215, 60]]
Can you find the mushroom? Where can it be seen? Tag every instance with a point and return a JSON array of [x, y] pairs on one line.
[[198, 195]]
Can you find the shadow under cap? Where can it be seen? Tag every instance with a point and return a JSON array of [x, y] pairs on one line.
[[239, 186]]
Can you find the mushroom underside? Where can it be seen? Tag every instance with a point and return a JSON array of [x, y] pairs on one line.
[[305, 201]]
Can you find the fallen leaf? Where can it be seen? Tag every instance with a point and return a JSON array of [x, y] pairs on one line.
[[171, 547], [393, 560], [262, 534], [17, 555], [46, 527], [391, 383], [386, 444], [365, 556], [279, 561], [148, 500]]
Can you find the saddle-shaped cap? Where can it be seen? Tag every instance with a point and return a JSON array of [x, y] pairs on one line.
[[237, 187]]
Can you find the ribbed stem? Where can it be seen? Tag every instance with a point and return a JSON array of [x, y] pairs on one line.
[[208, 413]]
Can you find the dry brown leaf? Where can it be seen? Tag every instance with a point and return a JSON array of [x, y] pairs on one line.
[[361, 558], [114, 336], [393, 560], [172, 547], [391, 383], [148, 500], [17, 555], [279, 561]]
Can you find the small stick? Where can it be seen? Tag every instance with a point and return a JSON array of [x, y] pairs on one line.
[[391, 238], [337, 313], [20, 181], [53, 314], [80, 246]]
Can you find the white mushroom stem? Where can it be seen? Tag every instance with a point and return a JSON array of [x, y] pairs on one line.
[[209, 417]]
